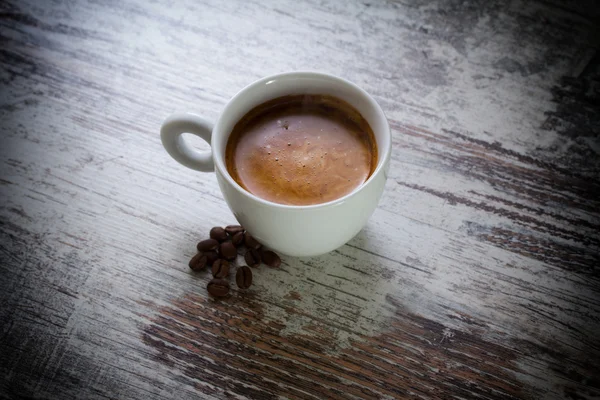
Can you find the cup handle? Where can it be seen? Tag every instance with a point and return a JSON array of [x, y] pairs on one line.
[[170, 134]]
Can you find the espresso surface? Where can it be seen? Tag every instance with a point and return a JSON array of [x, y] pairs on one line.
[[301, 150]]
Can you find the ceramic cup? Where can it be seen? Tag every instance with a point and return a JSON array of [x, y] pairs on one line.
[[292, 230]]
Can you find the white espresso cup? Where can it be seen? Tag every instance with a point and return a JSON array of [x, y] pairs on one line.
[[292, 230]]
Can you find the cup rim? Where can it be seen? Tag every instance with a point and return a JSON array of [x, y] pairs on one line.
[[384, 155]]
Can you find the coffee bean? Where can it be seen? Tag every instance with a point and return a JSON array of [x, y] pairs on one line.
[[270, 258], [238, 239], [198, 262], [211, 257], [233, 229], [207, 245], [220, 269], [218, 287], [228, 251], [218, 234], [243, 277], [252, 258], [250, 242]]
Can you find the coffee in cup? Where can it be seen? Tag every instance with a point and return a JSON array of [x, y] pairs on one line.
[[293, 107], [301, 150]]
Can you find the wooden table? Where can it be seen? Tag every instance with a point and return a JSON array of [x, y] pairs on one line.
[[477, 277]]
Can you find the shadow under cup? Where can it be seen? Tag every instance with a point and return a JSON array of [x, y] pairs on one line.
[[312, 229]]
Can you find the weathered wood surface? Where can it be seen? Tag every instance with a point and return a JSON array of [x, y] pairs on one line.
[[477, 277]]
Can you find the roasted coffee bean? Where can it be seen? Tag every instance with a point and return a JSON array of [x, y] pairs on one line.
[[207, 245], [211, 257], [233, 229], [198, 262], [218, 287], [250, 242], [228, 251], [218, 234], [270, 258], [220, 269], [252, 258], [237, 239], [243, 277]]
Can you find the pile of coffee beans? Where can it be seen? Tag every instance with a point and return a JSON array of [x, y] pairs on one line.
[[219, 253]]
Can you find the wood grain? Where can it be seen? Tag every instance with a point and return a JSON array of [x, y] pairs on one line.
[[477, 277]]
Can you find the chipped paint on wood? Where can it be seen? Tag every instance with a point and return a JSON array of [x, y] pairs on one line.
[[477, 276]]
